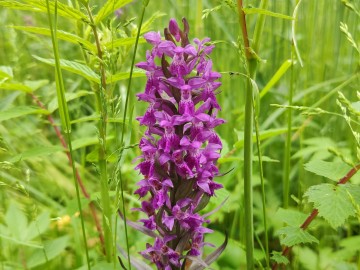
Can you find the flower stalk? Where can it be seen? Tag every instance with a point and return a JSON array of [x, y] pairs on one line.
[[180, 147]]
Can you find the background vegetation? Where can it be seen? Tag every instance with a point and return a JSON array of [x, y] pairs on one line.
[[40, 224]]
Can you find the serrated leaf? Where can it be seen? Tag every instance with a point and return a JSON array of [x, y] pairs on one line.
[[279, 258], [109, 7], [54, 105], [290, 217], [52, 248], [20, 111], [334, 170], [73, 67], [62, 35], [36, 152], [291, 236], [332, 201]]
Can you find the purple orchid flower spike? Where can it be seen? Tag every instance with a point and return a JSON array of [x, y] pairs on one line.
[[180, 147]]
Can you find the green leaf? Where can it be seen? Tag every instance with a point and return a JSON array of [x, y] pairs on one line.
[[291, 236], [291, 217], [123, 76], [263, 135], [109, 7], [20, 111], [73, 67], [15, 86], [6, 72], [52, 248], [126, 41], [255, 159], [277, 76], [60, 35], [332, 201], [266, 12], [279, 258], [53, 105], [40, 6], [16, 222], [36, 152], [146, 26], [38, 226], [80, 143], [334, 170]]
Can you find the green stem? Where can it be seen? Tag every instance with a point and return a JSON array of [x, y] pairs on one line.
[[102, 106], [122, 148], [286, 172], [248, 129], [64, 114], [263, 197]]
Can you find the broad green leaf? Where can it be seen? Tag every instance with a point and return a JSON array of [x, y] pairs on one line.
[[60, 35], [53, 105], [40, 6], [334, 170], [126, 41], [20, 111], [52, 248], [277, 76], [279, 258], [332, 201], [123, 76], [6, 72], [318, 147], [73, 67], [109, 7], [36, 152], [290, 217], [291, 236], [266, 12], [263, 135], [38, 226], [62, 9], [15, 86], [16, 222]]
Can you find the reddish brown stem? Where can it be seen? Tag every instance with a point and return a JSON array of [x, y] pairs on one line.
[[315, 212], [244, 30], [78, 177]]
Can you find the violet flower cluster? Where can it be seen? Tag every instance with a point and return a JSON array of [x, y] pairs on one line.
[[180, 147]]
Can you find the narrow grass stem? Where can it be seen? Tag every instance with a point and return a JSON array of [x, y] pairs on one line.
[[263, 196], [286, 170], [248, 129], [64, 114], [102, 106], [145, 3]]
